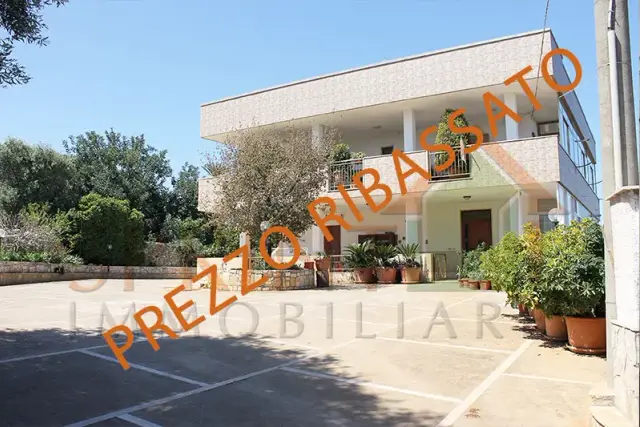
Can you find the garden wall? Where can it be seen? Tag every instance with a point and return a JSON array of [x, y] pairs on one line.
[[15, 273], [278, 280]]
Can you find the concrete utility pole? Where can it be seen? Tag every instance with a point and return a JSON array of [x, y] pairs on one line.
[[618, 405], [627, 106], [601, 12]]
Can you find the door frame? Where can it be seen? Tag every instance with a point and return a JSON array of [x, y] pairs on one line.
[[490, 217]]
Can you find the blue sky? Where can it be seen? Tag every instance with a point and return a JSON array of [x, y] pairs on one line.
[[145, 66]]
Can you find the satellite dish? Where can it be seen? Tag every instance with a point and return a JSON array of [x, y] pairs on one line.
[[554, 215]]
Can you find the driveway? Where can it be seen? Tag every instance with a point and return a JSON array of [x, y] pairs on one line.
[[349, 356]]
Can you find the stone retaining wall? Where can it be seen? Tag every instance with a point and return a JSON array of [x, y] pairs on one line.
[[278, 280], [15, 273]]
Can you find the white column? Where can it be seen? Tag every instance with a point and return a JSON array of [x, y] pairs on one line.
[[510, 125], [317, 239], [413, 228], [409, 127]]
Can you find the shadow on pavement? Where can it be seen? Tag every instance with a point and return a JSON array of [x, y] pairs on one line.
[[226, 381]]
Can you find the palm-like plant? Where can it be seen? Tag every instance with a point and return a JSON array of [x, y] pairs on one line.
[[384, 255], [359, 255], [408, 253]]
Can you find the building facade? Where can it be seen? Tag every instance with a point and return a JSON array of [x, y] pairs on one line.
[[540, 169]]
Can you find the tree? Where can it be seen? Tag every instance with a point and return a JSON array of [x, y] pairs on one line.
[[22, 21], [270, 175], [106, 230], [35, 174], [446, 136], [184, 196], [123, 167]]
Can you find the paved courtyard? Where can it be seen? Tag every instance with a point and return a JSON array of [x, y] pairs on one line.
[[354, 357]]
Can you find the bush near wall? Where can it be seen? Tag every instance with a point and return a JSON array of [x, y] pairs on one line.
[[107, 231]]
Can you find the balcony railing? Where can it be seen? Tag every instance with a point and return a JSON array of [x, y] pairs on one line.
[[341, 173], [460, 168]]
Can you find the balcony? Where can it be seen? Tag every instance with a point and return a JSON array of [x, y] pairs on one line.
[[341, 173]]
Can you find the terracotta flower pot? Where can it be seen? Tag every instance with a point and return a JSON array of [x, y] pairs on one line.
[[587, 335], [523, 311], [474, 284], [485, 285], [364, 275], [386, 274], [465, 282], [538, 316], [323, 264], [556, 328], [410, 274], [308, 265]]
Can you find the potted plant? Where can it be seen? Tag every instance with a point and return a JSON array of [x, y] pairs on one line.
[[573, 283], [532, 263], [410, 268], [472, 266], [474, 279], [322, 260], [461, 270], [359, 257], [384, 260]]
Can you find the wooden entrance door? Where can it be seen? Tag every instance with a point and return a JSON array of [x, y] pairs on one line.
[[333, 247], [475, 228]]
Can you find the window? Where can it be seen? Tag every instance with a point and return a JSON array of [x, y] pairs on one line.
[[549, 128], [387, 150]]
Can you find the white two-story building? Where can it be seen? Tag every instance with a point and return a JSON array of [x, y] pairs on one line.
[[540, 170]]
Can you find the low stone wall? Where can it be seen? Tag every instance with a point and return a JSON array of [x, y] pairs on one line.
[[15, 273], [278, 280]]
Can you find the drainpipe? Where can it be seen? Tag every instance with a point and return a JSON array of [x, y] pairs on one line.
[[615, 101]]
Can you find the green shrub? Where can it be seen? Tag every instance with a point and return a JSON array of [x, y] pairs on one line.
[[502, 263], [408, 253], [360, 255], [572, 281], [188, 251], [105, 230], [384, 255], [532, 263], [471, 262]]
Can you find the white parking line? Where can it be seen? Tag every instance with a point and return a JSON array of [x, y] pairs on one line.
[[453, 416], [536, 377], [177, 396], [371, 385], [138, 421], [53, 353], [146, 368], [445, 345]]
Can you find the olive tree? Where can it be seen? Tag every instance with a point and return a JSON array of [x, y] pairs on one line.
[[268, 174]]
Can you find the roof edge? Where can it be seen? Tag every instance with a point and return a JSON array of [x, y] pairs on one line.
[[380, 64]]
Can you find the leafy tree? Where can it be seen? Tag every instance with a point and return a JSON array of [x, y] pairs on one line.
[[123, 167], [445, 136], [270, 175], [106, 230], [35, 174], [22, 21], [184, 196]]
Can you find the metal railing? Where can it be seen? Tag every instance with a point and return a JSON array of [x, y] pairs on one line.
[[460, 168], [341, 173]]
